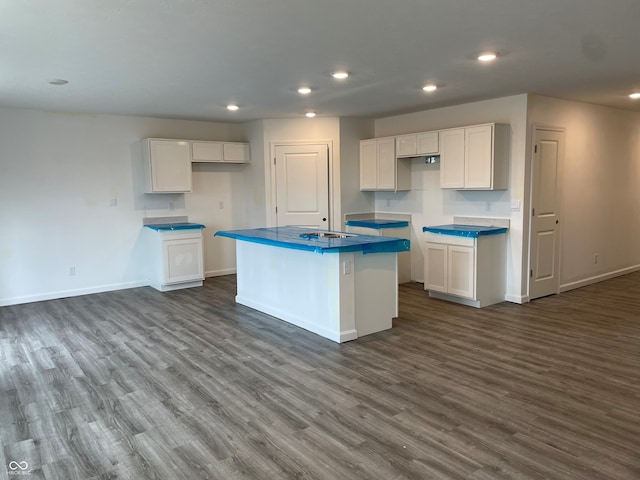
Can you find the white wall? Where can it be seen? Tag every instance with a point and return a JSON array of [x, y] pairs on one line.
[[58, 175], [352, 130], [430, 205], [600, 188]]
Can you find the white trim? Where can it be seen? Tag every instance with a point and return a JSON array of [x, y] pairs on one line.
[[220, 273], [454, 298], [598, 278], [516, 298], [71, 293], [282, 315]]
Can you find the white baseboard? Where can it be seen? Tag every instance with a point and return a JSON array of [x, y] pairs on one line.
[[294, 319], [516, 298], [598, 278], [219, 273], [70, 293]]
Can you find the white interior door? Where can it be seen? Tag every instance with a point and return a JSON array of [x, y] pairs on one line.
[[302, 185], [545, 237]]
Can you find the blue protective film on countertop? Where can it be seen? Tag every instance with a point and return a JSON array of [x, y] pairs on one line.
[[377, 223], [470, 231], [175, 226], [300, 238]]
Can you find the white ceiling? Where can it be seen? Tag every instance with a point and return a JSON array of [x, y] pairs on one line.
[[189, 58]]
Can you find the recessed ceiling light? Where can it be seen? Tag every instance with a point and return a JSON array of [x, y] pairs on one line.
[[304, 90], [487, 57], [58, 81], [232, 107], [310, 114], [340, 75], [635, 96], [430, 87]]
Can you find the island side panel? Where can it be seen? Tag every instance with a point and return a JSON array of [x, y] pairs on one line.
[[311, 290], [376, 293]]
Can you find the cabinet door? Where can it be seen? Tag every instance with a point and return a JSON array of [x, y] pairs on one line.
[[206, 151], [236, 152], [406, 145], [478, 157], [461, 268], [182, 260], [169, 164], [368, 165], [427, 143], [386, 152], [435, 268], [452, 158]]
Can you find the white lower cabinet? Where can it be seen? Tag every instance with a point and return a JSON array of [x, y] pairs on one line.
[[471, 271], [176, 259]]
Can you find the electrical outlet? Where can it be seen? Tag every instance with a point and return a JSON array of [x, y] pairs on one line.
[[172, 205], [346, 267], [489, 206], [72, 271]]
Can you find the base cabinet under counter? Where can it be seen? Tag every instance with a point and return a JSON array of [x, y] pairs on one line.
[[175, 256], [466, 269]]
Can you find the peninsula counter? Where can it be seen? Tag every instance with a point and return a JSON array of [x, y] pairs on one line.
[[338, 285]]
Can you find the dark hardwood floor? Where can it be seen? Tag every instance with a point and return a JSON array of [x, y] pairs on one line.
[[188, 385]]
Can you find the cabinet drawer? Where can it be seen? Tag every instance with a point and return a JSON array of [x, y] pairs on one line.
[[450, 239]]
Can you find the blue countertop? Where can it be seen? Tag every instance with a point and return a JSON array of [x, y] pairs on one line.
[[300, 238], [470, 231], [377, 223], [175, 226]]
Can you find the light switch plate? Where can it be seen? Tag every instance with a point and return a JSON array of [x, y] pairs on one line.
[[515, 205]]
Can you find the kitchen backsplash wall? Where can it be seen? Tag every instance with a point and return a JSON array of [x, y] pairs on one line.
[[431, 205]]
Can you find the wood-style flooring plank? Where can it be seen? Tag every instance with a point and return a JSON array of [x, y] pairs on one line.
[[139, 384]]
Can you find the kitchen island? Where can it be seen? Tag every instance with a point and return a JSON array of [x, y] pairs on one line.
[[338, 285]]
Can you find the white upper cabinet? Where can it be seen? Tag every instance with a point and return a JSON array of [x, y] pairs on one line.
[[452, 158], [206, 151], [224, 152], [475, 157], [236, 152], [379, 167], [368, 165], [166, 166], [417, 144]]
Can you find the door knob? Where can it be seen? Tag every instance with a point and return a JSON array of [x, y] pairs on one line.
[[557, 221], [324, 219]]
